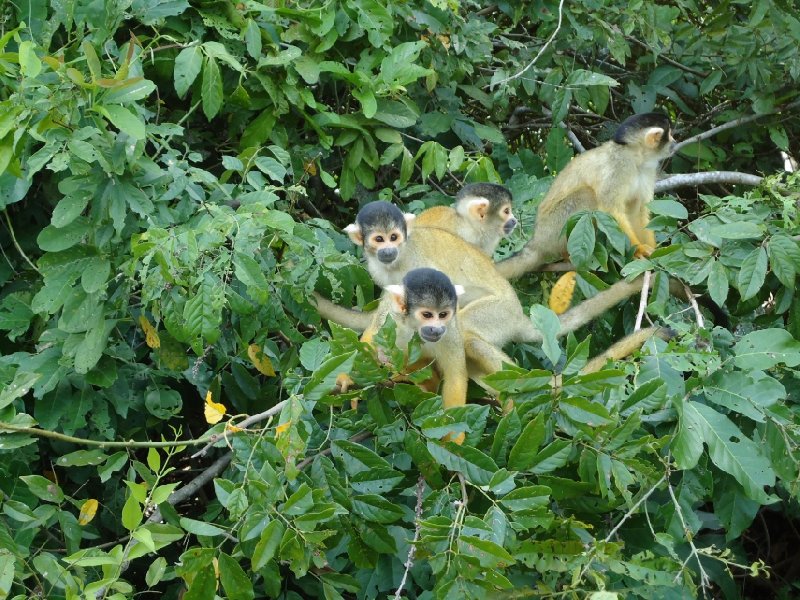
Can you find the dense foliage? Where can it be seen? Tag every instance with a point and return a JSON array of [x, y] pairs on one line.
[[173, 176]]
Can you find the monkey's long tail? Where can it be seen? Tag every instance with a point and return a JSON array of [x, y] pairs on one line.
[[348, 317], [626, 346], [524, 261]]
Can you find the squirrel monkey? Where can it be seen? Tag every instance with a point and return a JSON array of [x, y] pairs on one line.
[[618, 178], [481, 215]]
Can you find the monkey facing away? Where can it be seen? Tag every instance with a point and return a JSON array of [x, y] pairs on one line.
[[481, 215], [617, 177]]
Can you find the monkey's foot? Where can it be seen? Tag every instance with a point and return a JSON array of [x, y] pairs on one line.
[[643, 250], [343, 383], [562, 292]]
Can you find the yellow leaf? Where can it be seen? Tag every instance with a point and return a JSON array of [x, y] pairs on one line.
[[260, 360], [562, 292], [280, 429], [88, 511], [213, 411], [150, 334], [233, 428]]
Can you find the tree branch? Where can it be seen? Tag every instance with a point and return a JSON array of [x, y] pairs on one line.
[[731, 124], [695, 179], [541, 50]]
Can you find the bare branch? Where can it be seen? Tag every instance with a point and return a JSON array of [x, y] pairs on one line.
[[693, 302], [731, 124], [695, 179], [643, 300], [412, 549], [541, 51]]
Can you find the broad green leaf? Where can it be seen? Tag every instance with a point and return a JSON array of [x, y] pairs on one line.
[[200, 527], [324, 379], [668, 208], [745, 393], [267, 544], [375, 508], [357, 458], [369, 105], [124, 120], [547, 322], [29, 63], [742, 230], [211, 89], [151, 12], [156, 571], [761, 350], [69, 208], [718, 283], [782, 253], [235, 581], [527, 445], [202, 313], [129, 91], [477, 467], [375, 481], [299, 502], [489, 554], [131, 514], [552, 457], [43, 488], [82, 458], [581, 410], [203, 585], [21, 384], [582, 78], [53, 239], [752, 273], [395, 114], [729, 449], [581, 242], [526, 498], [188, 64], [91, 348]]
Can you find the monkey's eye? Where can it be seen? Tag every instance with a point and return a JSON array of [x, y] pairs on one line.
[[507, 211], [393, 237], [378, 239], [426, 314], [444, 314]]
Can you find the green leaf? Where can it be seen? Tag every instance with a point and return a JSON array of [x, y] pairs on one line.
[[746, 393], [188, 64], [124, 120], [324, 379], [267, 544], [357, 458], [151, 12], [82, 458], [729, 449], [235, 581], [129, 91], [19, 387], [369, 105], [782, 252], [718, 283], [477, 467], [547, 322], [742, 230], [583, 78], [202, 313], [583, 411], [752, 273], [552, 457], [29, 63], [527, 445], [395, 114], [156, 571], [252, 39], [299, 502], [69, 208], [203, 585], [200, 527], [580, 244], [761, 350], [489, 554], [668, 208], [43, 488], [375, 508], [131, 514], [211, 88], [90, 349], [53, 239], [526, 498]]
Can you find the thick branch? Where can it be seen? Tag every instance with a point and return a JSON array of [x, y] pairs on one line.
[[695, 179]]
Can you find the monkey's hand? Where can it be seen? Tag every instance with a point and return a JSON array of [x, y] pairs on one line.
[[643, 250]]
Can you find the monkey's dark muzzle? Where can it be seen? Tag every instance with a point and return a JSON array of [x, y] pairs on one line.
[[509, 226], [431, 333], [387, 255]]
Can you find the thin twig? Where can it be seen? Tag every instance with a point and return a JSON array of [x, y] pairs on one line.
[[735, 123], [709, 177], [16, 243], [413, 548], [628, 514], [247, 422], [705, 582], [695, 307], [541, 51], [643, 300]]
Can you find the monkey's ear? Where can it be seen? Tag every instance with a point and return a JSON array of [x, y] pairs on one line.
[[460, 291], [478, 207], [652, 137], [354, 231], [409, 217], [397, 294]]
